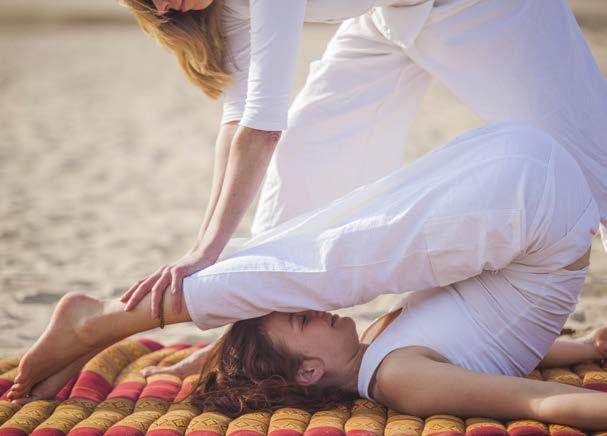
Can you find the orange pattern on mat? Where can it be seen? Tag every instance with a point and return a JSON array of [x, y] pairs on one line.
[[111, 397]]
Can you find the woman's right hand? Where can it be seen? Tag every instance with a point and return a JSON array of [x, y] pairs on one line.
[[188, 366]]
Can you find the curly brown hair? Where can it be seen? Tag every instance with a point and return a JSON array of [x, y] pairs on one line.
[[196, 37], [245, 372]]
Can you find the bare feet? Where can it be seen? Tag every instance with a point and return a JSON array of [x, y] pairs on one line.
[[47, 389], [188, 366], [66, 340], [598, 338]]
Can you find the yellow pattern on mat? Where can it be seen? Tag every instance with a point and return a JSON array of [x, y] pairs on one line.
[[120, 365]]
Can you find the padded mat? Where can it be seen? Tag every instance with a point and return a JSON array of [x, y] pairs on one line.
[[111, 397]]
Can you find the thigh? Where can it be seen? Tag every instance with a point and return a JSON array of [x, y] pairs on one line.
[[523, 60], [519, 313], [347, 127]]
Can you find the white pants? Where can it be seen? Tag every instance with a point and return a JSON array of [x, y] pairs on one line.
[[508, 60], [502, 196]]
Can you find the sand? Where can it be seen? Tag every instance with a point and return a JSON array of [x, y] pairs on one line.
[[106, 160]]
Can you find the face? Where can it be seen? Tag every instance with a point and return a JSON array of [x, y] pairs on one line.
[[314, 334], [164, 6]]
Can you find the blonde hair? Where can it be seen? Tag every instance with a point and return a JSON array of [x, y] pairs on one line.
[[196, 38]]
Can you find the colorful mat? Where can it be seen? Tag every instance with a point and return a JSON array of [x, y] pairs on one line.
[[110, 397]]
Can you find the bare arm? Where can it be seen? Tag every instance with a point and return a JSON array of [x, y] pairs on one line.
[[411, 383], [565, 352], [248, 160], [222, 151]]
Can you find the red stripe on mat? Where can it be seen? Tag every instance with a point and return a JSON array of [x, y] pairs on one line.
[[86, 431], [324, 431], [123, 430], [91, 386], [166, 432], [12, 432]]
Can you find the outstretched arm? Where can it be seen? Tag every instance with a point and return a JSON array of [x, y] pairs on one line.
[[566, 352], [430, 387]]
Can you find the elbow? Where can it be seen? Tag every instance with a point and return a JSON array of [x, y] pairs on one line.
[[270, 137], [247, 138]]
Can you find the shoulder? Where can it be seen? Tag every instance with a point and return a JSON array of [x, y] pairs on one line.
[[400, 363]]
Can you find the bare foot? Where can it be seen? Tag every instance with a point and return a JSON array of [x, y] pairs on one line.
[[598, 338], [66, 339], [188, 366], [47, 389]]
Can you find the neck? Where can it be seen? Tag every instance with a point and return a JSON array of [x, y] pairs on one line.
[[348, 378]]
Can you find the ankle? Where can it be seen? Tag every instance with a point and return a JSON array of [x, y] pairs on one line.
[[84, 312]]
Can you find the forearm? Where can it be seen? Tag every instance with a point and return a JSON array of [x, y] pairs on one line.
[[565, 352], [222, 150], [248, 160], [581, 408]]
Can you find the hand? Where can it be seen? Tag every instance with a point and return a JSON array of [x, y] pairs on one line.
[[168, 275], [188, 366]]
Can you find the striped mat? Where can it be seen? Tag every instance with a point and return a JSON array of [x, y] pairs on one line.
[[110, 397]]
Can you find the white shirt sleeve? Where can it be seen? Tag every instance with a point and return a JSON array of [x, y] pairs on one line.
[[238, 35], [275, 34]]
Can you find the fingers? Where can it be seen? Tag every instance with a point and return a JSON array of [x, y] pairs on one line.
[[142, 290], [157, 290], [130, 291], [176, 289]]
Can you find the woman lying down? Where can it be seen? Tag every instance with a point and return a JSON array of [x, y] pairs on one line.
[[487, 237]]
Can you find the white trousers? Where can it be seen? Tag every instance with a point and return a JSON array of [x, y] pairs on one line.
[[508, 60], [502, 196]]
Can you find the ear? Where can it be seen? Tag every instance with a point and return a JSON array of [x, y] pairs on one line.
[[310, 372]]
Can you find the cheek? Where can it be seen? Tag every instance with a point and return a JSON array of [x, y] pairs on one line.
[[202, 4], [347, 332], [338, 338]]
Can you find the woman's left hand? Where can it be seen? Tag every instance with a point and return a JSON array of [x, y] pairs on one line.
[[172, 276]]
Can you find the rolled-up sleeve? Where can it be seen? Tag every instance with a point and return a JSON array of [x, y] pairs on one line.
[[276, 27]]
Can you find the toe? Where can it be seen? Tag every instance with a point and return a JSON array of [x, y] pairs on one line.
[[25, 400], [14, 390], [19, 390]]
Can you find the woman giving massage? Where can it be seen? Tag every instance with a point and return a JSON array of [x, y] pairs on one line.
[[488, 239], [507, 60]]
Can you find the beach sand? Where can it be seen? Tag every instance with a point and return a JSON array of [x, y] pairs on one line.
[[106, 156]]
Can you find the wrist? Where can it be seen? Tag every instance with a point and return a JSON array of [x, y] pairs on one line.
[[204, 254]]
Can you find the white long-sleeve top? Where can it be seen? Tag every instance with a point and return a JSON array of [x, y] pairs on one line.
[[263, 38]]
